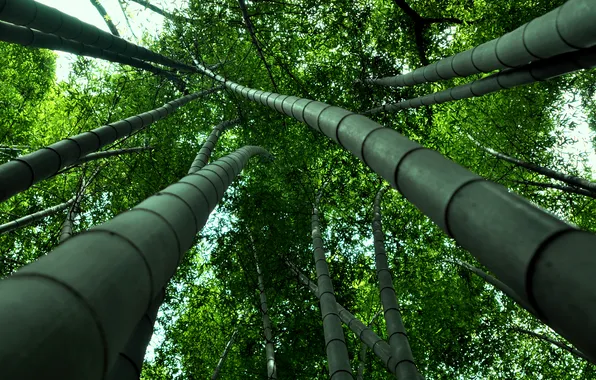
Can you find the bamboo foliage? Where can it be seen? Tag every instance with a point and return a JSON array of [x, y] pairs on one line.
[[564, 29], [205, 152], [23, 172], [335, 343], [536, 71], [526, 247], [93, 301], [398, 340]]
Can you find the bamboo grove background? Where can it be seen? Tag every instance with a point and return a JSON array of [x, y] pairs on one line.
[[458, 325]]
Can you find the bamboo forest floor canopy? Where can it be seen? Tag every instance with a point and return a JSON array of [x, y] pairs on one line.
[[297, 189]]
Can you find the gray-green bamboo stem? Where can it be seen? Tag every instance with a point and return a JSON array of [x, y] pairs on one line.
[[223, 357], [111, 153], [49, 20], [66, 232], [94, 288], [33, 38], [568, 179], [107, 19], [398, 340], [335, 343], [204, 154], [575, 352], [534, 72], [378, 346], [35, 217], [130, 360], [495, 283], [21, 173], [364, 349], [564, 29], [268, 332], [567, 189]]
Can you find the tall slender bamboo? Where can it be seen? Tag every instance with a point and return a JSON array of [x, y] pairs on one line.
[[536, 254], [50, 20], [23, 172], [567, 189], [94, 288], [571, 350], [564, 29], [496, 283], [364, 349], [34, 38], [523, 75], [378, 346], [205, 152], [104, 15], [398, 340], [335, 343], [223, 356], [568, 179], [35, 217], [130, 360], [269, 347]]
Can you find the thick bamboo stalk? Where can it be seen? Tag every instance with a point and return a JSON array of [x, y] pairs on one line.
[[496, 283], [398, 340], [205, 152], [534, 72], [545, 261], [129, 363], [223, 356], [335, 343], [33, 38], [94, 288], [50, 20], [268, 332], [35, 217], [378, 346], [564, 29], [23, 172]]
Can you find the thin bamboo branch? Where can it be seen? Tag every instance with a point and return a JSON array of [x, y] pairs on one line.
[[35, 217], [224, 356], [575, 352], [106, 18]]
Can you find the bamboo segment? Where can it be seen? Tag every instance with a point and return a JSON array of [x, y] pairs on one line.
[[50, 20], [564, 29], [23, 172], [94, 288], [398, 340], [523, 75], [205, 152], [335, 342]]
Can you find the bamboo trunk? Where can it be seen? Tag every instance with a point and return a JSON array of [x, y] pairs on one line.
[[23, 172], [35, 217], [94, 288], [335, 343], [564, 29], [519, 76], [398, 340], [269, 347], [205, 152], [223, 356]]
